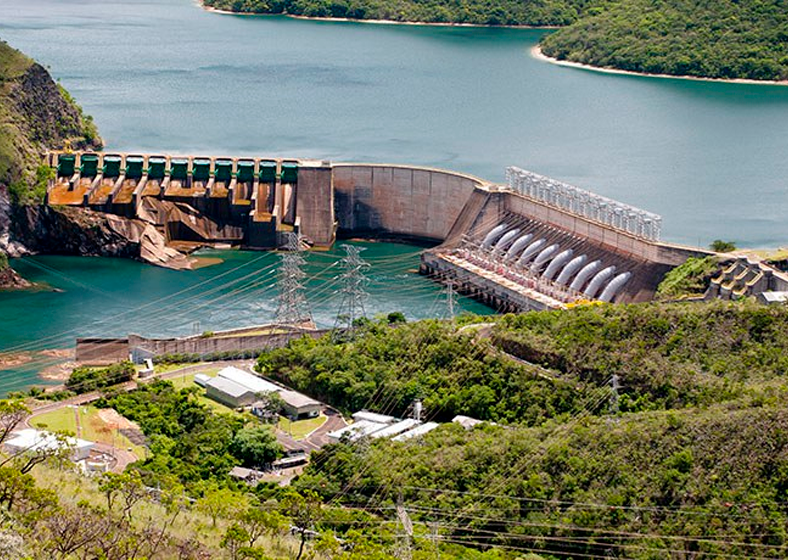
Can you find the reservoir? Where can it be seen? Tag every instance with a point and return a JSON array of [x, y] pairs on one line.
[[167, 76]]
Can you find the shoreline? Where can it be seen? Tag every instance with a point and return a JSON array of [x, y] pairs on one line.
[[536, 52], [375, 21]]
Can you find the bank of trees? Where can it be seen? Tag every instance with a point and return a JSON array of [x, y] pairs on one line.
[[483, 12]]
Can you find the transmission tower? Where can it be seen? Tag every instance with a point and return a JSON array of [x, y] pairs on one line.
[[353, 293], [292, 307]]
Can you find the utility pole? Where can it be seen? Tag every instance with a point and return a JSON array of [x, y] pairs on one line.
[[353, 293], [292, 307]]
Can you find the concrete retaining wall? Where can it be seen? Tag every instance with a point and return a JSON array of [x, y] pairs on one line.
[[411, 202]]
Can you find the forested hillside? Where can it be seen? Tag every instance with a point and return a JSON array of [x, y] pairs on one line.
[[720, 39], [724, 39], [687, 458]]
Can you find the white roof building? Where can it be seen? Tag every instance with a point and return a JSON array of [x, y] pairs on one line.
[[255, 384], [373, 417], [357, 430], [417, 431], [31, 440], [393, 429]]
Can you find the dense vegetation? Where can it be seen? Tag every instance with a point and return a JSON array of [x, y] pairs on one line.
[[667, 356], [35, 114], [688, 458], [484, 12], [720, 39], [725, 39], [86, 379]]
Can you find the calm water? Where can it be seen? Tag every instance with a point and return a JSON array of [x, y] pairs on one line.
[[113, 297], [164, 75]]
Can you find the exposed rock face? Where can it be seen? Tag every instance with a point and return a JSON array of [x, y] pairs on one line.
[[79, 231], [10, 280]]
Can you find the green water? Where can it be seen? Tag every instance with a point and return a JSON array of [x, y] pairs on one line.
[[113, 297]]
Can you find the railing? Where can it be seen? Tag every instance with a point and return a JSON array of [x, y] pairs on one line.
[[584, 203]]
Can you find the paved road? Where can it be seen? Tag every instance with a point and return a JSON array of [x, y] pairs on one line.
[[316, 439]]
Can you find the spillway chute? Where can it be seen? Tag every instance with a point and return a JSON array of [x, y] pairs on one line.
[[545, 255], [585, 273], [555, 265], [598, 281], [570, 269], [518, 246], [531, 251], [506, 240], [614, 286], [494, 235]]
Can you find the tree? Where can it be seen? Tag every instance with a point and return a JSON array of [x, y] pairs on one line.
[[215, 501], [255, 446], [720, 246], [305, 512], [258, 522], [234, 539]]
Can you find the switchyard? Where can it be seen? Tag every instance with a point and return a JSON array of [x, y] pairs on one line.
[[532, 243]]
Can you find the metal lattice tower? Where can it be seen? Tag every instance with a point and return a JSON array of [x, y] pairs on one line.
[[353, 289], [292, 307]]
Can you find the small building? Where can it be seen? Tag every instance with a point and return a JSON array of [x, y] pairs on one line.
[[30, 440], [201, 379], [355, 431], [397, 428], [229, 392], [373, 417], [255, 384], [297, 406], [417, 431], [771, 298]]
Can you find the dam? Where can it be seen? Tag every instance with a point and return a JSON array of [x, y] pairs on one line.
[[531, 243]]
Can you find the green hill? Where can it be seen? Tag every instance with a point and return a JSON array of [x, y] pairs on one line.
[[720, 39]]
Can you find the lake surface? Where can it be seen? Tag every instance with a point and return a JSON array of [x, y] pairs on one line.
[[166, 76]]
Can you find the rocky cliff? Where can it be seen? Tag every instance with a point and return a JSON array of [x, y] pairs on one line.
[[36, 114]]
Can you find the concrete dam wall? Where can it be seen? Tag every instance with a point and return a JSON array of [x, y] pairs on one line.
[[400, 201], [532, 243]]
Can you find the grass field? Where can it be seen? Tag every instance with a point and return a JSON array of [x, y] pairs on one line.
[[93, 428], [300, 428]]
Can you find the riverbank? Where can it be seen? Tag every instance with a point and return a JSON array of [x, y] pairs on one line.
[[374, 21], [536, 52]]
